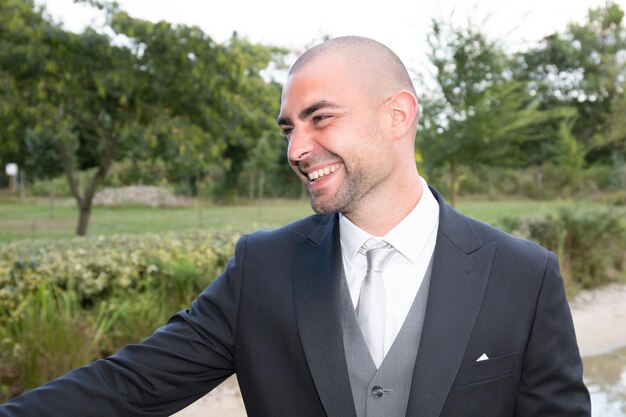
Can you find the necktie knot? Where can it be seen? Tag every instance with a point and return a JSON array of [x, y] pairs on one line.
[[377, 254]]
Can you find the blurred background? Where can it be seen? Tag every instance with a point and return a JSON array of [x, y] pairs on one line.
[[138, 141]]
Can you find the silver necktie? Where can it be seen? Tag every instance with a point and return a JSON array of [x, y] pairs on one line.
[[370, 310]]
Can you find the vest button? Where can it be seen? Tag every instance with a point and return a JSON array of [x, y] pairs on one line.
[[377, 392]]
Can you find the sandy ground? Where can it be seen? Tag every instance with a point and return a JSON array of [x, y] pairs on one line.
[[599, 318]]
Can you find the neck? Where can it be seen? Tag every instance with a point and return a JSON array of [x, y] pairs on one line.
[[380, 216]]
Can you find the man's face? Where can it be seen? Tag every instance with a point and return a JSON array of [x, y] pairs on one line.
[[336, 146]]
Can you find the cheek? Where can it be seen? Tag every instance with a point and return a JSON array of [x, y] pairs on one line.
[[294, 167]]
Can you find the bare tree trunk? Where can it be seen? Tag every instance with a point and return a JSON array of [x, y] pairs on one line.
[[83, 220], [53, 193], [85, 200], [251, 187], [261, 185], [22, 184], [539, 180], [200, 217]]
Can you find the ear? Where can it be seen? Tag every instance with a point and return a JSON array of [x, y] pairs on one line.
[[403, 110]]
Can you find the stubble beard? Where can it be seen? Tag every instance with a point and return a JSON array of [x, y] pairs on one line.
[[345, 200]]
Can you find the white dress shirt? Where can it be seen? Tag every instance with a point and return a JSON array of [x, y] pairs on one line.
[[414, 239]]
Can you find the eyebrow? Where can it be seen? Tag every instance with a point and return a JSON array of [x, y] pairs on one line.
[[304, 114]]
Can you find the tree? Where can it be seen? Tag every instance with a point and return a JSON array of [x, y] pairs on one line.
[[261, 160], [479, 115], [22, 30], [147, 90], [584, 68], [223, 91]]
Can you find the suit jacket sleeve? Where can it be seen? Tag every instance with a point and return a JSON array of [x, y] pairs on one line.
[[179, 363], [551, 381]]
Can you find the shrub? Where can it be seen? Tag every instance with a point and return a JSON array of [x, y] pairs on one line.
[[67, 302], [590, 244], [47, 336], [57, 187], [100, 264]]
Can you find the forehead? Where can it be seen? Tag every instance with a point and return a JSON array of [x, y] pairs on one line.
[[327, 78]]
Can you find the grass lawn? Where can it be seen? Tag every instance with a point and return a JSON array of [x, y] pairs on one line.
[[37, 218], [492, 211], [32, 219]]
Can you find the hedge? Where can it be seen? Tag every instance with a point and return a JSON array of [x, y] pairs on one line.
[[64, 303], [590, 244]]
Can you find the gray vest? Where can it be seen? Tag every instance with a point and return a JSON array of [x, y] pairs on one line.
[[383, 392]]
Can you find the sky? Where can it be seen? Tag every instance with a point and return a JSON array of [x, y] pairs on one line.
[[400, 24]]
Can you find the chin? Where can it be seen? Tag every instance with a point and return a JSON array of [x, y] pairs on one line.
[[329, 206], [322, 207]]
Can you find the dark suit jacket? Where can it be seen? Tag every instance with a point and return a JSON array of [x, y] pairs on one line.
[[273, 317]]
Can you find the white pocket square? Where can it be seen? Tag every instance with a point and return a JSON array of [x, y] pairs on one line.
[[483, 357]]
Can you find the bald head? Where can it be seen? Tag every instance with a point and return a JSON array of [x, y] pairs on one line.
[[377, 64], [349, 112]]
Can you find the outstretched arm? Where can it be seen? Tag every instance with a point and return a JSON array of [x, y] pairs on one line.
[[179, 363]]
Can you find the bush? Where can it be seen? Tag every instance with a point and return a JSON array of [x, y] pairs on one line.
[[590, 244], [617, 198], [57, 187], [122, 173], [100, 264], [47, 336], [67, 302]]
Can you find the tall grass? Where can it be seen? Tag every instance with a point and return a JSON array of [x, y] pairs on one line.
[[48, 335], [590, 243], [66, 303]]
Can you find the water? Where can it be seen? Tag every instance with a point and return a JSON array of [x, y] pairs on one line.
[[605, 376]]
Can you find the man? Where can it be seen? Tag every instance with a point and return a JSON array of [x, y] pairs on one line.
[[396, 306]]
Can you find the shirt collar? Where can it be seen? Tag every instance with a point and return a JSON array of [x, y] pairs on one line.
[[408, 237]]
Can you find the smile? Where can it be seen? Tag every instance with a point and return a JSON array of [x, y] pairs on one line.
[[317, 174]]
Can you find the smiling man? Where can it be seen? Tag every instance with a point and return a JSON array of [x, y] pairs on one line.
[[350, 114], [387, 303]]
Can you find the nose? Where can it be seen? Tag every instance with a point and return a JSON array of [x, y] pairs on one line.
[[300, 145]]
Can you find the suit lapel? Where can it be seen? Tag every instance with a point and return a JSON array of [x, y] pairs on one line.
[[316, 271], [461, 267]]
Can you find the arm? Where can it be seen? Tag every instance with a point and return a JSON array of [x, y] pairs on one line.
[[551, 382], [180, 362]]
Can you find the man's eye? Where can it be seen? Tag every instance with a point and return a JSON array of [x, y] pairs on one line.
[[320, 117], [287, 131]]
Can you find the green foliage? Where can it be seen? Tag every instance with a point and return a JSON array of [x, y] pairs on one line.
[[78, 102], [557, 107], [583, 67], [106, 263], [122, 173], [480, 116], [570, 159], [65, 303], [47, 336], [52, 187], [590, 244]]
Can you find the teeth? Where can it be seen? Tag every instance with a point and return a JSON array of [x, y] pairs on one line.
[[321, 172]]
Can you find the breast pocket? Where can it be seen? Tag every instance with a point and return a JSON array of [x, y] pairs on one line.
[[474, 372]]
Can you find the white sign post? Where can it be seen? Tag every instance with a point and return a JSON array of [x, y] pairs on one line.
[[11, 170]]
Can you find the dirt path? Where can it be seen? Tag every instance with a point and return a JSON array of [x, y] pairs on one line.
[[599, 318], [224, 401]]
